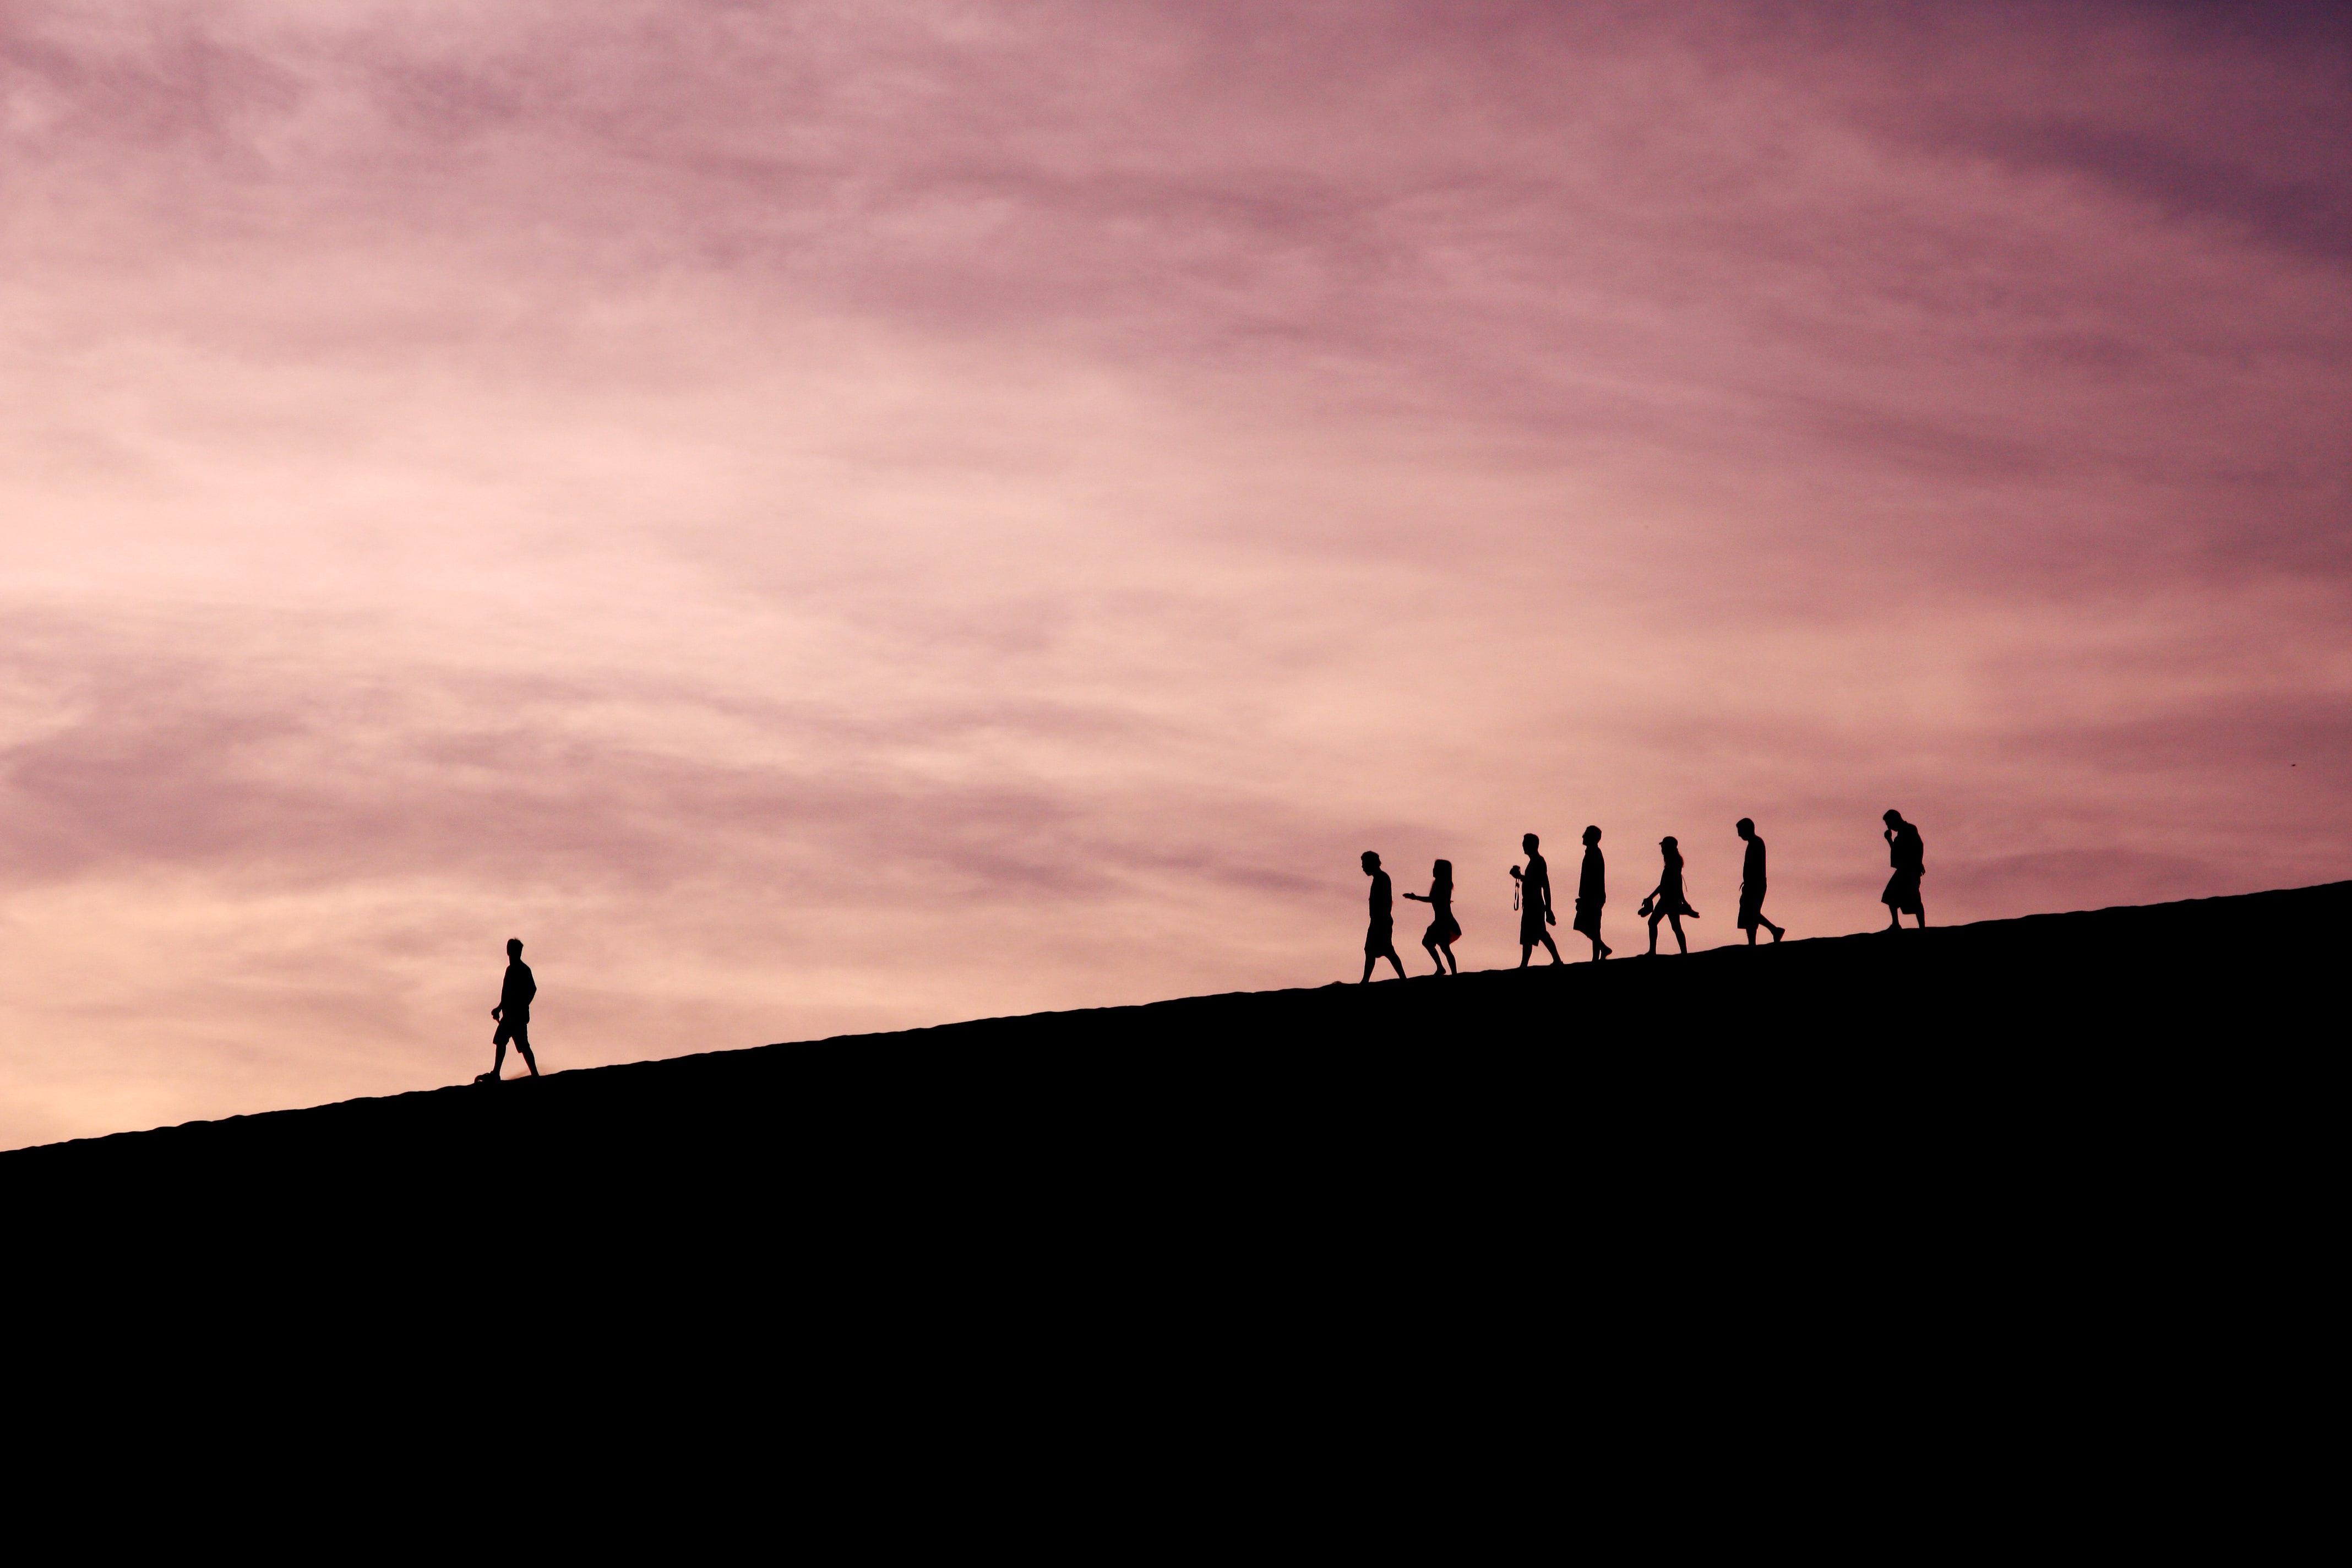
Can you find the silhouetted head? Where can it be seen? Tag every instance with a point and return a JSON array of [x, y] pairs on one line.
[[1529, 842], [1592, 835], [1745, 828], [1443, 871], [1371, 862], [1667, 842], [1893, 819], [514, 947]]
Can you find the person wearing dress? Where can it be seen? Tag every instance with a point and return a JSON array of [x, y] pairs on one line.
[[1751, 885], [1592, 892], [1909, 856], [1380, 937], [1665, 902], [1439, 937], [1535, 904]]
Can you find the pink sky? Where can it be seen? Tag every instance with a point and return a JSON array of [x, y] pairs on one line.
[[837, 518]]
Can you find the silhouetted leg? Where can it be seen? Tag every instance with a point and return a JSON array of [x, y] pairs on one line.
[[1894, 917], [1654, 934], [528, 1059], [1527, 950], [1551, 947], [1430, 945], [1923, 918], [1751, 936], [1675, 921], [1396, 963], [1368, 969], [1453, 964], [1777, 931], [500, 1062]]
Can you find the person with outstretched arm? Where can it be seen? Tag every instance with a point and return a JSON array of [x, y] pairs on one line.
[[1592, 892], [1909, 856], [1380, 937], [1535, 904], [1751, 884], [1444, 930], [513, 1013]]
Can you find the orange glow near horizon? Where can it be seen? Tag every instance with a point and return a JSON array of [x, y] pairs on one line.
[[827, 519]]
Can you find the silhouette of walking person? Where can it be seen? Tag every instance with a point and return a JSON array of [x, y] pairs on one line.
[[1535, 904], [1909, 856], [1751, 885], [1444, 930], [513, 1013], [1665, 902], [1380, 939], [1592, 892]]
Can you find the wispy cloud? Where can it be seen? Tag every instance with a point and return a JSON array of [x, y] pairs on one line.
[[838, 517]]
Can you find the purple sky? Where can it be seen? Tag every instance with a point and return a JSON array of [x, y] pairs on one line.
[[834, 517]]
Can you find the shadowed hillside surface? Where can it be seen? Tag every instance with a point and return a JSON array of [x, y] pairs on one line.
[[2055, 1037]]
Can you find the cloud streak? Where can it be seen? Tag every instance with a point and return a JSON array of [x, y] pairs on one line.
[[829, 518]]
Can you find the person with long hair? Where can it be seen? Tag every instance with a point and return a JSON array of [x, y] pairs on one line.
[[1592, 892], [1665, 902], [1909, 856], [1442, 931], [1535, 904]]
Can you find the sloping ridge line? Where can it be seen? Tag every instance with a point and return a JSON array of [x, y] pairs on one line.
[[2046, 993]]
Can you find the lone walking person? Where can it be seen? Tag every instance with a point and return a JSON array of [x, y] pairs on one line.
[[1751, 885], [1535, 904], [1444, 930], [1909, 856], [1380, 938], [1592, 892], [1665, 902], [513, 1013]]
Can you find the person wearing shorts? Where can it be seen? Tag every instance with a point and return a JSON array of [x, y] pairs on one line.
[[1908, 857], [513, 1013]]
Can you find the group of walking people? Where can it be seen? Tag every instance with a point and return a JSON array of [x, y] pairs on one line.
[[1667, 903]]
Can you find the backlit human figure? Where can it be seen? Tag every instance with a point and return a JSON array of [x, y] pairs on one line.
[[1535, 904], [1751, 885], [513, 1013], [1665, 902], [1592, 892], [1909, 856], [1380, 938], [1443, 930]]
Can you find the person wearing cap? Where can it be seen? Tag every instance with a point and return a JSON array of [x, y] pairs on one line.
[[1665, 902]]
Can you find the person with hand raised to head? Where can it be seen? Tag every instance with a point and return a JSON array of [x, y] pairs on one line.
[[1751, 884], [1442, 931], [1592, 892], [1535, 904], [513, 1013], [1909, 856], [1380, 938], [1665, 902]]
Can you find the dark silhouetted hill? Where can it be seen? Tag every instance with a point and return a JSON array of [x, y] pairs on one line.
[[1826, 1217], [2046, 1030]]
